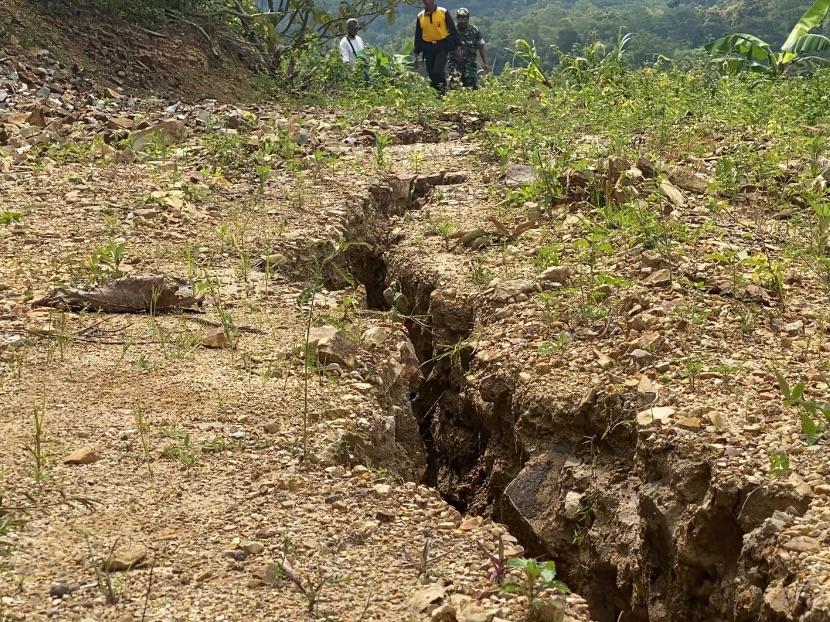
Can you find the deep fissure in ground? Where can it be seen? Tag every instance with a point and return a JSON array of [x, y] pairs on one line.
[[636, 522]]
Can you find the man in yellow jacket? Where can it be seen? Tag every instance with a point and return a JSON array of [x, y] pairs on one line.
[[436, 37]]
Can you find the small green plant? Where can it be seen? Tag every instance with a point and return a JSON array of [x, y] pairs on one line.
[[779, 463], [263, 173], [416, 161], [547, 255], [382, 142], [479, 274], [498, 562], [37, 449], [8, 217], [108, 584], [306, 306], [111, 223], [734, 260], [243, 270], [536, 577], [446, 229], [143, 363], [727, 178], [319, 160], [728, 372], [549, 348], [821, 209], [105, 261], [143, 434], [211, 286], [60, 335], [692, 367], [8, 523], [768, 273], [309, 587], [181, 449], [813, 414]]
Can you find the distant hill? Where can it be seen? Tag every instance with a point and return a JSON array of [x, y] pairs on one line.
[[674, 28]]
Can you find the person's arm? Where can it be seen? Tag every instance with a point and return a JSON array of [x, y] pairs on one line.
[[482, 50], [419, 43]]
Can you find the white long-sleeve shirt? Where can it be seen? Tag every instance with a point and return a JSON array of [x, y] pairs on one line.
[[351, 49]]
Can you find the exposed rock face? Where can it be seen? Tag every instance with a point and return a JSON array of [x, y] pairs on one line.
[[636, 520]]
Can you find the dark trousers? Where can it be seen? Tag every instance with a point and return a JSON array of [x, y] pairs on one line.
[[435, 59], [469, 81]]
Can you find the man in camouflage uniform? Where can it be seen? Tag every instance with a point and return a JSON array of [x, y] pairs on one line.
[[472, 45]]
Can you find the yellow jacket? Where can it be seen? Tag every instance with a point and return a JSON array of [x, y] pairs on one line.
[[435, 27]]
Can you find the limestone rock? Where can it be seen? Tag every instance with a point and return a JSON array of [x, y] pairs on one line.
[[641, 357], [674, 195], [573, 503], [215, 338], [473, 612], [687, 179], [519, 175], [84, 455], [251, 547], [661, 278], [332, 346], [505, 290], [802, 544], [660, 414], [375, 336], [126, 557], [444, 613], [168, 132], [426, 599], [556, 274], [382, 490], [549, 610]]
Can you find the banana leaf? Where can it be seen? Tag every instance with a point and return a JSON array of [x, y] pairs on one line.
[[753, 48], [811, 44], [813, 17]]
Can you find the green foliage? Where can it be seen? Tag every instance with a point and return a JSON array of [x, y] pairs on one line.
[[8, 217], [779, 463], [536, 577], [105, 260], [181, 449], [548, 255], [738, 52], [382, 142], [814, 415]]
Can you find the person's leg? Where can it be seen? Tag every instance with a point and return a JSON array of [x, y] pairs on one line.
[[470, 81], [429, 62], [438, 74]]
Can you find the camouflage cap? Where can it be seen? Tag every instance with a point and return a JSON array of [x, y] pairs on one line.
[[462, 12]]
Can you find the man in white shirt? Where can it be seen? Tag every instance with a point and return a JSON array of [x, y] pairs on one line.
[[351, 46]]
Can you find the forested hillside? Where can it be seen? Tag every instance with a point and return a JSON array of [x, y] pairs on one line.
[[672, 28]]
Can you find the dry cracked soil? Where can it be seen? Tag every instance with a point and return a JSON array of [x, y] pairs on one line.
[[460, 391]]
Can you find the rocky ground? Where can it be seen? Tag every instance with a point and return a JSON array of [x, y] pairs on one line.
[[482, 366], [154, 463]]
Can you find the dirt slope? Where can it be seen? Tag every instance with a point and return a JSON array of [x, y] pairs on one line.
[[174, 64]]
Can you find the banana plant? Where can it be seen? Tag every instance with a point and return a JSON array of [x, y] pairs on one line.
[[738, 52]]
